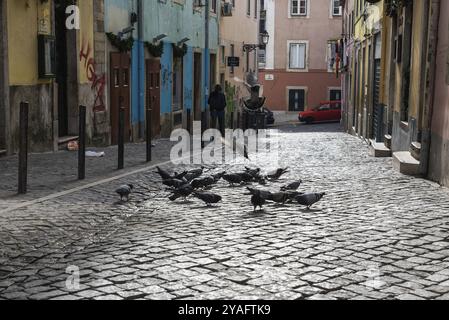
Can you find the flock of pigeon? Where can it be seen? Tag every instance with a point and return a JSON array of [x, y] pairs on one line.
[[193, 183]]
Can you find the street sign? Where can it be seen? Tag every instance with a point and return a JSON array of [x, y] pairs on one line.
[[233, 62]]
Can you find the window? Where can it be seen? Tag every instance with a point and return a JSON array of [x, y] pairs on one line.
[[232, 55], [297, 55], [248, 7], [299, 7], [336, 8], [223, 55]]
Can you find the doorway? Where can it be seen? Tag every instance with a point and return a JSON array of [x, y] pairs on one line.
[[153, 79], [197, 86], [119, 86], [296, 100]]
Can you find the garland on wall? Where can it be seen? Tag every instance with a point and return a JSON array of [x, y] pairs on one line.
[[123, 45], [155, 50], [179, 52]]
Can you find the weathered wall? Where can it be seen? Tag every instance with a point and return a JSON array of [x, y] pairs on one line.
[[439, 153], [4, 92]]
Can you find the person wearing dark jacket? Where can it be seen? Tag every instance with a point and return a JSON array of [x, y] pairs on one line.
[[217, 103]]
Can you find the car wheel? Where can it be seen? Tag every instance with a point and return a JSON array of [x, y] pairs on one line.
[[309, 120]]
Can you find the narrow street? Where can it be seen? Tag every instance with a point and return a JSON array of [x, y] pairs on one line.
[[377, 234]]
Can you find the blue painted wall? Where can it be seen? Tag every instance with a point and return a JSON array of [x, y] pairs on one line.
[[166, 78], [188, 79]]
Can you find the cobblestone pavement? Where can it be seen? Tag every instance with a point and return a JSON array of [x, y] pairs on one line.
[[376, 235], [56, 172]]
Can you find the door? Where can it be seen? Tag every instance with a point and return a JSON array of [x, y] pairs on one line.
[[378, 111], [296, 100], [197, 86], [153, 80], [119, 86]]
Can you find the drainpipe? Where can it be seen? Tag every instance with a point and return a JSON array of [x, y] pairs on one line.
[[141, 61], [433, 9]]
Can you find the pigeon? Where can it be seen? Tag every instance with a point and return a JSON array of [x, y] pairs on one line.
[[292, 186], [124, 191], [258, 200], [193, 174], [183, 191], [267, 195], [280, 197], [293, 194], [180, 176], [218, 176], [202, 182], [164, 174], [309, 199], [174, 183], [208, 197], [246, 177], [254, 172], [233, 179], [277, 174]]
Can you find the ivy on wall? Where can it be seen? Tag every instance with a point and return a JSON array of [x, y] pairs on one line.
[[155, 50], [179, 52], [123, 45]]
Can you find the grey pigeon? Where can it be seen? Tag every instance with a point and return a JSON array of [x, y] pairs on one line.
[[193, 174], [257, 201], [208, 197], [277, 174], [280, 197], [292, 186], [164, 174], [124, 191], [267, 195], [202, 182], [309, 199], [232, 179], [182, 192], [174, 183]]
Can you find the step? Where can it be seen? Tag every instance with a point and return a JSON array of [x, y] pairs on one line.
[[415, 150], [387, 141], [2, 153], [63, 141], [379, 150], [405, 163]]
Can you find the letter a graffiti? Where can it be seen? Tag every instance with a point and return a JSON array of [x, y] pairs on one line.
[[73, 20]]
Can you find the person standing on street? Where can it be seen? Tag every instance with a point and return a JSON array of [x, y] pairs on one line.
[[217, 103]]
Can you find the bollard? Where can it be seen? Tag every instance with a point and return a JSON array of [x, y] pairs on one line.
[[82, 144], [149, 135], [189, 121], [23, 148], [121, 135]]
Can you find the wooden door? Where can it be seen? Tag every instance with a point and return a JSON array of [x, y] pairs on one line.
[[119, 87], [197, 87], [153, 94]]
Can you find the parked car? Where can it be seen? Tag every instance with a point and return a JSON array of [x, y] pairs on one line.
[[327, 111], [270, 116]]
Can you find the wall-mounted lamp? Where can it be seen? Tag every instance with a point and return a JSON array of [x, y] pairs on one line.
[[159, 37], [125, 31], [264, 39], [180, 43]]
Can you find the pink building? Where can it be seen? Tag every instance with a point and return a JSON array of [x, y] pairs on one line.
[[298, 69]]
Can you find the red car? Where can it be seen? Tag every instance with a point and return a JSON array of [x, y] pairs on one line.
[[326, 112]]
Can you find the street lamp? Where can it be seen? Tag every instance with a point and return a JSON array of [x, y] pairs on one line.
[[264, 38]]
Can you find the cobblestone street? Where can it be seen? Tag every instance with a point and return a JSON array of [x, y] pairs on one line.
[[376, 235]]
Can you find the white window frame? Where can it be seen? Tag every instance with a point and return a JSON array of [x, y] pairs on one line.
[[298, 14], [306, 60], [332, 9]]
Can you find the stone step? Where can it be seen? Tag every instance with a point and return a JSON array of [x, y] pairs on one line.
[[415, 150], [379, 150], [405, 163]]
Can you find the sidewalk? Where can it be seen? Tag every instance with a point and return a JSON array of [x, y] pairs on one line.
[[49, 173]]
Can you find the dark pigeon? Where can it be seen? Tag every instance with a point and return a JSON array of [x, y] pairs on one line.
[[233, 179], [164, 174], [208, 197], [246, 177], [205, 182], [258, 200], [267, 195], [254, 172], [182, 192], [280, 197], [218, 176], [292, 186], [309, 199], [125, 191], [193, 174], [174, 183]]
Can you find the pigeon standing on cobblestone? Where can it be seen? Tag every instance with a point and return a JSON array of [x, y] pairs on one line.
[[292, 186], [174, 183], [193, 174], [258, 200], [264, 194], [164, 174], [280, 197], [233, 179], [309, 199], [203, 182], [125, 191], [208, 197], [277, 174], [182, 192]]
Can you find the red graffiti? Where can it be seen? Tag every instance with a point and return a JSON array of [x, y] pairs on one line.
[[98, 81]]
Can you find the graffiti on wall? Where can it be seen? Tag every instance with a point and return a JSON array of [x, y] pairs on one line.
[[98, 82]]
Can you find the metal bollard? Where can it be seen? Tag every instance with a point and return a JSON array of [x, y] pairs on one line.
[[23, 148], [121, 135], [82, 144], [149, 133]]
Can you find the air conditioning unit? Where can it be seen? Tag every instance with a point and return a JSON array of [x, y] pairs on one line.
[[226, 10]]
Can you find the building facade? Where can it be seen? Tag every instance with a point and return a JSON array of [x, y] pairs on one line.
[[395, 86], [301, 59], [238, 16]]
